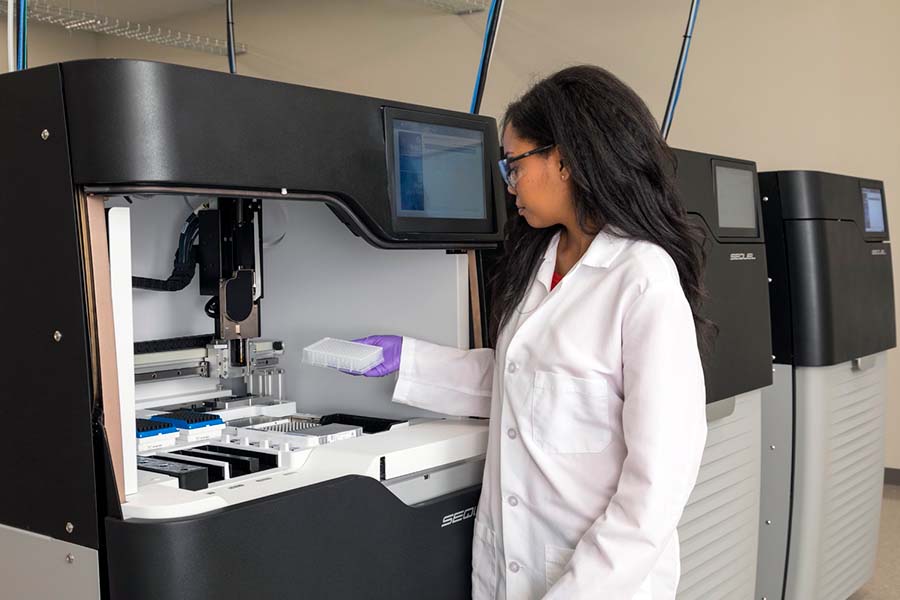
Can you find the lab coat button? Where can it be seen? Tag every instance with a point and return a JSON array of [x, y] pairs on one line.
[[513, 501], [512, 368], [511, 433], [514, 567]]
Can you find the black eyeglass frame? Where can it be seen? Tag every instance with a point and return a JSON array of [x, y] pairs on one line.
[[504, 163]]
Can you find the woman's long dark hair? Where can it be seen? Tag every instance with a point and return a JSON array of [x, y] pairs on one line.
[[623, 175]]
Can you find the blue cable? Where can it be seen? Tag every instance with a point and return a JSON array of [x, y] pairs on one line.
[[675, 93], [229, 18], [484, 56], [25, 35], [20, 48]]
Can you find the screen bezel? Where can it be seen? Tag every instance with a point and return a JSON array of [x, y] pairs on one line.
[[402, 224], [736, 232], [873, 236], [864, 201]]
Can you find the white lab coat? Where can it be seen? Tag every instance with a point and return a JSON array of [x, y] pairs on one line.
[[597, 427]]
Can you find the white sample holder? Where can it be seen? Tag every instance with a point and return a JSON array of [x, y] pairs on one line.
[[351, 357]]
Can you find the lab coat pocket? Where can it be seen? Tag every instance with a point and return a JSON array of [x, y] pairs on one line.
[[484, 563], [570, 414], [555, 561]]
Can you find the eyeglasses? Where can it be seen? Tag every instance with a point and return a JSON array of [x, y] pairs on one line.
[[510, 175]]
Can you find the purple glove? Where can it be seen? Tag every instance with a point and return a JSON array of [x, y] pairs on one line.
[[392, 345]]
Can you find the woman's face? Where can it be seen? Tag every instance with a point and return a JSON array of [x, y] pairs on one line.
[[543, 190]]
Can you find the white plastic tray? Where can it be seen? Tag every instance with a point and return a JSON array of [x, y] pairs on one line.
[[352, 357]]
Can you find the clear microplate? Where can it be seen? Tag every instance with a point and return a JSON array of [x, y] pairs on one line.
[[352, 357]]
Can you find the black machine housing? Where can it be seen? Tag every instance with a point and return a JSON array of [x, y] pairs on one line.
[[739, 359], [832, 291], [269, 139]]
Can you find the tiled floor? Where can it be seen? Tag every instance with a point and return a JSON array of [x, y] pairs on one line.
[[886, 583]]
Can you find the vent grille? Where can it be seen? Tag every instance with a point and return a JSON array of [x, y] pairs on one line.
[[719, 530], [853, 485]]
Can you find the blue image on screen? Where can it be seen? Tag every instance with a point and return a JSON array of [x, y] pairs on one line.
[[412, 188], [412, 192]]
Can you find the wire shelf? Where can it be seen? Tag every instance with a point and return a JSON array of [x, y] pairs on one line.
[[458, 7], [79, 20]]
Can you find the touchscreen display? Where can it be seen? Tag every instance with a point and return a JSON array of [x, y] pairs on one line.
[[439, 171], [734, 195], [873, 210]]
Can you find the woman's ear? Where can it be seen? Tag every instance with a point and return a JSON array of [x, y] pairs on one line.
[[556, 155]]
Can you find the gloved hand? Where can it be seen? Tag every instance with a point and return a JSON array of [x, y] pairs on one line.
[[391, 345]]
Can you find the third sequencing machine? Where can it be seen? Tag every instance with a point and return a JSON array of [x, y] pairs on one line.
[[833, 318]]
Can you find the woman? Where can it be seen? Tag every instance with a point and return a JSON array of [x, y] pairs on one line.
[[595, 391]]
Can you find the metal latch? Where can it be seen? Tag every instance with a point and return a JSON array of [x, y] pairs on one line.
[[863, 364]]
